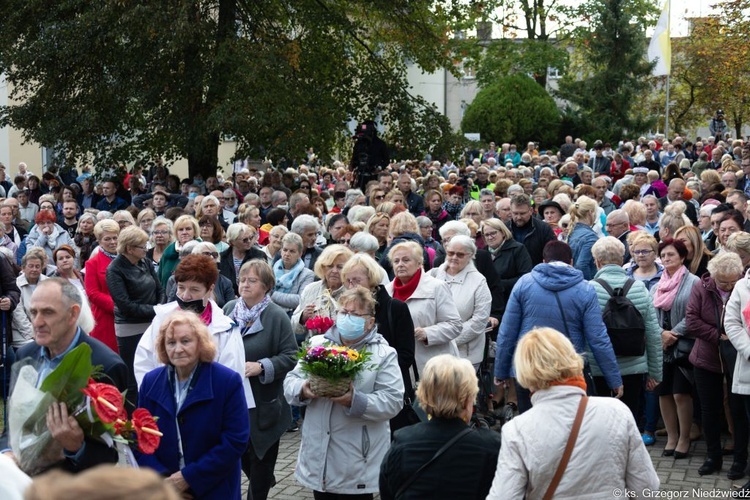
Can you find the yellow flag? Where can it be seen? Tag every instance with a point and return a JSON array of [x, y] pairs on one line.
[[660, 48]]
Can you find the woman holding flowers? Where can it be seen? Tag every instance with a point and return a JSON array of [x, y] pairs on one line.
[[345, 438], [320, 298], [201, 411], [270, 353]]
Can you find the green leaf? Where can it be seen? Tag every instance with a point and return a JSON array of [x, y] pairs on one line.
[[65, 382]]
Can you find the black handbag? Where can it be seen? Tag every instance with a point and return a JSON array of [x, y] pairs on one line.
[[679, 352]]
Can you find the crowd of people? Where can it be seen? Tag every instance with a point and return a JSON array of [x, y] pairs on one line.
[[612, 271]]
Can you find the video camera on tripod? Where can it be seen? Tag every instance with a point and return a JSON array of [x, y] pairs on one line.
[[370, 154]]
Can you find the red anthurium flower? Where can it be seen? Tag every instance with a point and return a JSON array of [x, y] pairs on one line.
[[107, 400], [146, 430]]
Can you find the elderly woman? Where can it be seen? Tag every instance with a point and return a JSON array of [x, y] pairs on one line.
[[84, 239], [211, 231], [345, 438], [378, 226], [320, 298], [582, 237], [200, 409], [270, 353], [392, 317], [161, 238], [291, 274], [671, 297], [32, 267], [713, 359], [95, 281], [436, 319], [274, 242], [47, 234], [223, 291], [509, 257], [739, 243], [241, 239], [551, 211], [123, 218], [698, 254], [135, 290], [185, 229], [608, 256], [732, 222], [532, 443], [446, 392], [195, 276], [471, 296]]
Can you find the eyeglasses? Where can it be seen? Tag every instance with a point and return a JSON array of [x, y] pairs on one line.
[[491, 234], [144, 248], [642, 252], [460, 255], [159, 233], [213, 255]]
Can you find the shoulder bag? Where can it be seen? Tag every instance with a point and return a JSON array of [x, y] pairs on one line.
[[568, 450]]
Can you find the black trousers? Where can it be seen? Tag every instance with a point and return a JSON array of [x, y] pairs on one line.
[[127, 347], [710, 388], [632, 389], [259, 471]]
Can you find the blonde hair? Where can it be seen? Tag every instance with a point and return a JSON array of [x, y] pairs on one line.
[[412, 247], [583, 209], [186, 220], [738, 241], [543, 356], [144, 484], [360, 295], [642, 237], [131, 236], [447, 383], [674, 217], [636, 212], [372, 269], [106, 226], [403, 223], [693, 234], [326, 259], [498, 225]]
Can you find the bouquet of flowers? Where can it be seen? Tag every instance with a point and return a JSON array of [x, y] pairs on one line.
[[330, 368], [319, 324], [98, 408]]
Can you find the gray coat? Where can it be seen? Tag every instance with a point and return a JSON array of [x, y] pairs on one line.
[[678, 313], [290, 300], [270, 342]]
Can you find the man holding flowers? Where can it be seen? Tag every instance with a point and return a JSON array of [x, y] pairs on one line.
[[55, 309]]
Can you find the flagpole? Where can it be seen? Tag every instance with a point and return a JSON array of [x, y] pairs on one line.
[[666, 116]]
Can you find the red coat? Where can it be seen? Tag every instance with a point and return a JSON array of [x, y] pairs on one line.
[[102, 305]]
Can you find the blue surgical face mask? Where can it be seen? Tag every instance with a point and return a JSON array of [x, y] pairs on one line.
[[193, 195], [350, 327]]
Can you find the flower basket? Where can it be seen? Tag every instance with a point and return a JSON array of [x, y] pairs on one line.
[[330, 368], [326, 388]]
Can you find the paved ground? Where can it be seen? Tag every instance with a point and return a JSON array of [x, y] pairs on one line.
[[675, 475]]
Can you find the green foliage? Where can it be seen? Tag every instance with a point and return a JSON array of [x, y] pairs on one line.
[[65, 382], [127, 79], [514, 109], [616, 72], [524, 57]]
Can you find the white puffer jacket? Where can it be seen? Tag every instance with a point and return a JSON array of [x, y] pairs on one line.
[[609, 453], [736, 329]]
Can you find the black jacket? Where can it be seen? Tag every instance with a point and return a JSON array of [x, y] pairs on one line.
[[135, 290], [398, 330], [8, 288], [465, 470], [226, 266], [511, 262], [113, 372], [539, 235]]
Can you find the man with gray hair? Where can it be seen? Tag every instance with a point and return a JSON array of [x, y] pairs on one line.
[[307, 227], [618, 225]]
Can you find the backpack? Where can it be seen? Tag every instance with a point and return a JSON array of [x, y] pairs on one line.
[[624, 322]]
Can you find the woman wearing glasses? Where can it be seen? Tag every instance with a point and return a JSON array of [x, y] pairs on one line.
[[212, 231], [471, 295], [135, 290], [241, 239], [161, 237], [644, 268]]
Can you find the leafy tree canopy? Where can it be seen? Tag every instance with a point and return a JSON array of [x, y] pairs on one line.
[[513, 109], [613, 74], [121, 80]]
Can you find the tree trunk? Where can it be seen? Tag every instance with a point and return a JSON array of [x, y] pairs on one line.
[[203, 156]]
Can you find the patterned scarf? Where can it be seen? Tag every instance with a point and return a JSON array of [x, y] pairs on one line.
[[110, 255], [247, 316], [667, 289]]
